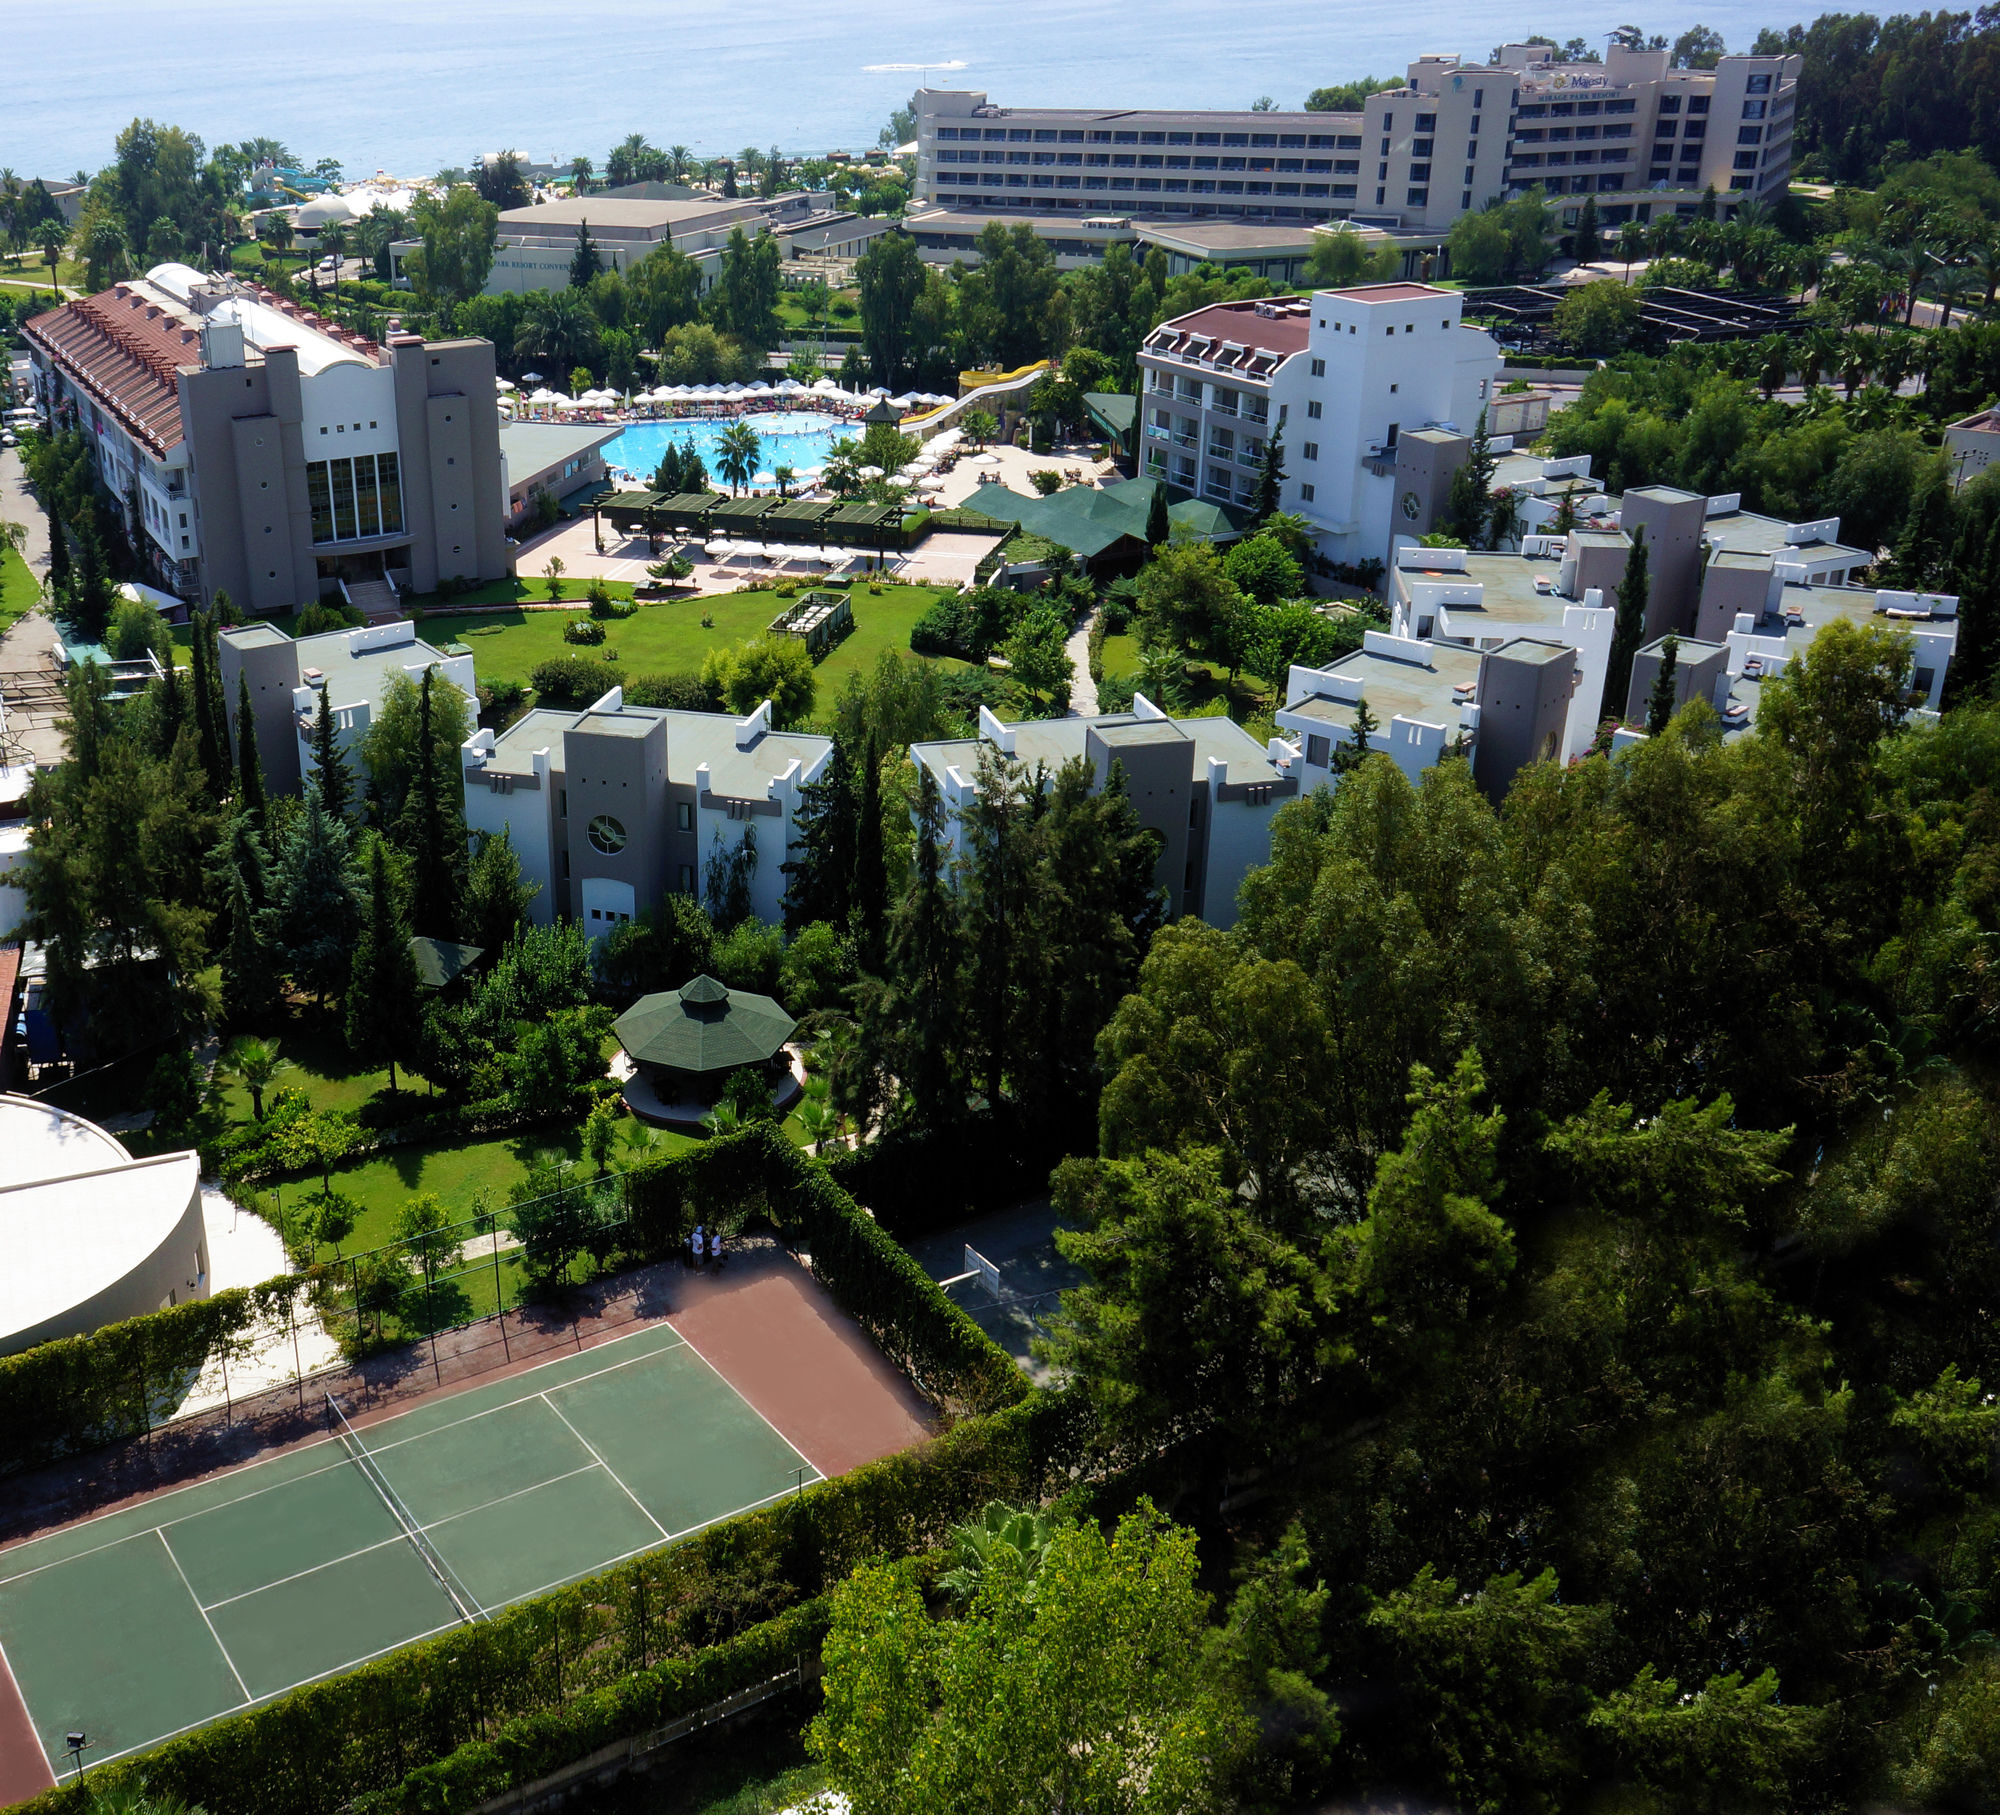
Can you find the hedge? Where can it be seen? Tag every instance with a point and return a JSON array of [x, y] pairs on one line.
[[445, 1723], [82, 1392]]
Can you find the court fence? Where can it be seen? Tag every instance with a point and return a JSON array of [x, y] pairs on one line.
[[448, 1723], [125, 1380]]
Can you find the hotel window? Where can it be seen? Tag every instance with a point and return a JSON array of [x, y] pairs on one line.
[[1319, 368], [1313, 405], [1698, 103], [1311, 450], [1418, 198], [1306, 493], [1759, 85]]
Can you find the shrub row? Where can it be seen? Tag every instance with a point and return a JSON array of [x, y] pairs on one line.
[[443, 1724]]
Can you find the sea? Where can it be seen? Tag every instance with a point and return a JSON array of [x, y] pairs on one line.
[[409, 87]]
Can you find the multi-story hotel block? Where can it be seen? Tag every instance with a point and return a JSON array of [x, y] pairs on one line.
[[1413, 159], [1379, 389], [616, 806], [261, 450]]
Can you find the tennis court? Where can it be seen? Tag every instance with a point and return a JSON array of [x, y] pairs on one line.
[[157, 1617]]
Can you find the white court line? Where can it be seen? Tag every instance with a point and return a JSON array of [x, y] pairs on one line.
[[32, 1728], [248, 1698], [244, 1468], [452, 1625], [318, 1676], [299, 1575], [780, 1435], [608, 1469]]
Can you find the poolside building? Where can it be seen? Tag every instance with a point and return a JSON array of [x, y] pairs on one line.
[[554, 459], [612, 808], [258, 449]]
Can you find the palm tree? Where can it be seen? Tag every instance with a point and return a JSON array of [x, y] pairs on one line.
[[1818, 350], [737, 451], [54, 238], [579, 175], [839, 472], [1023, 1535], [1631, 246], [559, 327], [784, 476], [1857, 361], [1774, 364], [334, 240], [254, 1063], [819, 1122], [677, 160], [724, 1118]]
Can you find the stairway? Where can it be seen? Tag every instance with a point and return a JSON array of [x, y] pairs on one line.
[[375, 600]]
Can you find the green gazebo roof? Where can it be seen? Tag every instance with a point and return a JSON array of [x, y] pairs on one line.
[[442, 961], [703, 1027]]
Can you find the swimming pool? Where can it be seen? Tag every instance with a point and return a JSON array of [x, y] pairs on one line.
[[795, 438]]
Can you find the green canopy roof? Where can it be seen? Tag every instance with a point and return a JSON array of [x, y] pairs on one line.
[[703, 1027], [1090, 520], [440, 961]]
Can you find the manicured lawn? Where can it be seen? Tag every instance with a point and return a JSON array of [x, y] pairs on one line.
[[670, 638], [529, 589], [317, 1062], [1121, 654], [18, 588]]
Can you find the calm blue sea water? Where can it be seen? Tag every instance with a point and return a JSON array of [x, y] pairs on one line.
[[415, 85], [795, 438]]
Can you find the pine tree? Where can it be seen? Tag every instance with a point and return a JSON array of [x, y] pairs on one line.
[[433, 833], [211, 724], [1920, 560], [1471, 502], [170, 710], [496, 899], [1660, 703], [316, 915], [586, 261], [1586, 244], [249, 969], [913, 1018], [993, 899], [1352, 754], [1271, 476], [61, 573], [1159, 526], [1629, 628], [384, 1012], [250, 795], [819, 869], [329, 767]]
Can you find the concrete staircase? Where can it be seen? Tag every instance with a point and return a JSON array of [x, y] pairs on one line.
[[375, 600]]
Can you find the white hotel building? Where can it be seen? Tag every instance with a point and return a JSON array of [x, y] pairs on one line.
[[1412, 159], [1379, 389]]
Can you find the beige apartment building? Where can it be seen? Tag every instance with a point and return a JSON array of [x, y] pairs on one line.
[[1453, 138]]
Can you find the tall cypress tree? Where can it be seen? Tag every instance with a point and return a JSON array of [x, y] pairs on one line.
[[434, 833], [1660, 703], [250, 795], [1629, 628], [915, 1016], [1159, 526], [871, 879], [249, 966], [222, 772], [61, 574], [1271, 476], [384, 1015], [992, 910], [170, 710], [315, 908], [329, 767]]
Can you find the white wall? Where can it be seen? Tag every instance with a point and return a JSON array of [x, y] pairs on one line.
[[526, 814]]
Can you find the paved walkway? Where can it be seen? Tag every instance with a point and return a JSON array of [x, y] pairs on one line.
[[1082, 689]]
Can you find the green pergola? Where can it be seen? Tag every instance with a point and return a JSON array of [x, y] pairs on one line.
[[703, 1030]]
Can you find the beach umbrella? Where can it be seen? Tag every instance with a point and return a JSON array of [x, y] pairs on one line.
[[531, 378], [868, 472], [501, 384]]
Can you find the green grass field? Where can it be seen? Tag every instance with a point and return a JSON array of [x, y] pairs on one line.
[[18, 588], [671, 638]]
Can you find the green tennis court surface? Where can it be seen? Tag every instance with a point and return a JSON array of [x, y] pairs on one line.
[[140, 1623]]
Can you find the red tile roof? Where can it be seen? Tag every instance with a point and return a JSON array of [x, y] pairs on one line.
[[1252, 338], [123, 346]]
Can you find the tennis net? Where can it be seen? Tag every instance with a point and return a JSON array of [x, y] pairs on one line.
[[456, 1592]]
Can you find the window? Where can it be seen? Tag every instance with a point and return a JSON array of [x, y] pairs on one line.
[[1418, 198], [606, 835], [1754, 110], [1311, 450], [1759, 85], [1318, 371], [1318, 749], [684, 816], [1306, 493], [1313, 407], [1670, 103], [1749, 135], [686, 879], [1698, 103]]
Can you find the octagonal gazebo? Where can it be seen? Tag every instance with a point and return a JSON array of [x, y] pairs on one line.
[[684, 1042]]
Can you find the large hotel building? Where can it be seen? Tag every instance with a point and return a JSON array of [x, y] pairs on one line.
[[1644, 138]]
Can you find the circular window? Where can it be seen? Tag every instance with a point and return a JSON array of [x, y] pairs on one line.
[[607, 835], [1413, 506]]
